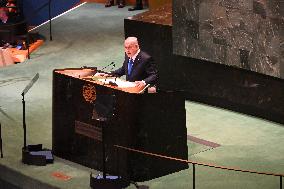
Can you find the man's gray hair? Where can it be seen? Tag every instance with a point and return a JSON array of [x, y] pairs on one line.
[[132, 40]]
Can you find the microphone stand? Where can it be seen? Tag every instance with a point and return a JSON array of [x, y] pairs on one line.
[[33, 154], [104, 151], [27, 88], [24, 121], [49, 15], [113, 66], [1, 149], [112, 63]]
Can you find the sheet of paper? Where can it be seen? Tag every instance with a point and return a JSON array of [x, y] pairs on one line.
[[121, 83]]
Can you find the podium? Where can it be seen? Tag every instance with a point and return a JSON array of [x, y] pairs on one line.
[[154, 122]]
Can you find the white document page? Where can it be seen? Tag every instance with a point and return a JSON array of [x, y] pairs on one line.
[[120, 83]]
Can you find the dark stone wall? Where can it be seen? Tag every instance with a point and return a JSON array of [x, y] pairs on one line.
[[241, 33], [203, 81]]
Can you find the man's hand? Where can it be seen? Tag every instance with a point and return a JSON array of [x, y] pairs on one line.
[[140, 84]]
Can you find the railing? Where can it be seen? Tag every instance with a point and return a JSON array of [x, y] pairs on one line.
[[194, 163]]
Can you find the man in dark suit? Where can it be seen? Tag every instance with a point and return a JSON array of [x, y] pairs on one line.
[[138, 6], [138, 66]]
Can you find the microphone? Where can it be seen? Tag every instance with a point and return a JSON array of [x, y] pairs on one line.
[[88, 67], [112, 63], [112, 83], [113, 66]]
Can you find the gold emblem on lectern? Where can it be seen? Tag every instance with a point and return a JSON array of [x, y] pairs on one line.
[[89, 93]]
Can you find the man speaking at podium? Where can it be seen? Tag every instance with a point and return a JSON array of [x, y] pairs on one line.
[[138, 66]]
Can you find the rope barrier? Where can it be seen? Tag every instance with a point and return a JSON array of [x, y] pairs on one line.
[[199, 163]]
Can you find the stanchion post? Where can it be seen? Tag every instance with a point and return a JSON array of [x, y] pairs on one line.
[[280, 182], [117, 160], [193, 175], [28, 45], [49, 14], [104, 152], [24, 121], [1, 149]]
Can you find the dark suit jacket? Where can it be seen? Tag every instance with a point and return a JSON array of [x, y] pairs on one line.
[[143, 68]]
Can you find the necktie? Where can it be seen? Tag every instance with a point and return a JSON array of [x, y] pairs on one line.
[[130, 65]]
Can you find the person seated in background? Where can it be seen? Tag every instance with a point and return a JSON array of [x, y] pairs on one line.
[[138, 66], [8, 15], [120, 3], [4, 19], [13, 13], [138, 6]]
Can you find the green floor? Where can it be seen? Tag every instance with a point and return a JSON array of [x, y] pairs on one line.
[[93, 36]]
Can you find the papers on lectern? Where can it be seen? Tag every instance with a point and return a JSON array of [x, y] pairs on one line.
[[120, 83]]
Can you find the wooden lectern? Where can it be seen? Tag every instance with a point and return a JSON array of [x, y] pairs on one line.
[[154, 122]]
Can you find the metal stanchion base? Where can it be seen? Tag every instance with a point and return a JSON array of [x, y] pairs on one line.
[[35, 155]]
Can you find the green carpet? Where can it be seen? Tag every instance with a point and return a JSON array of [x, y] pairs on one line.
[[93, 36]]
